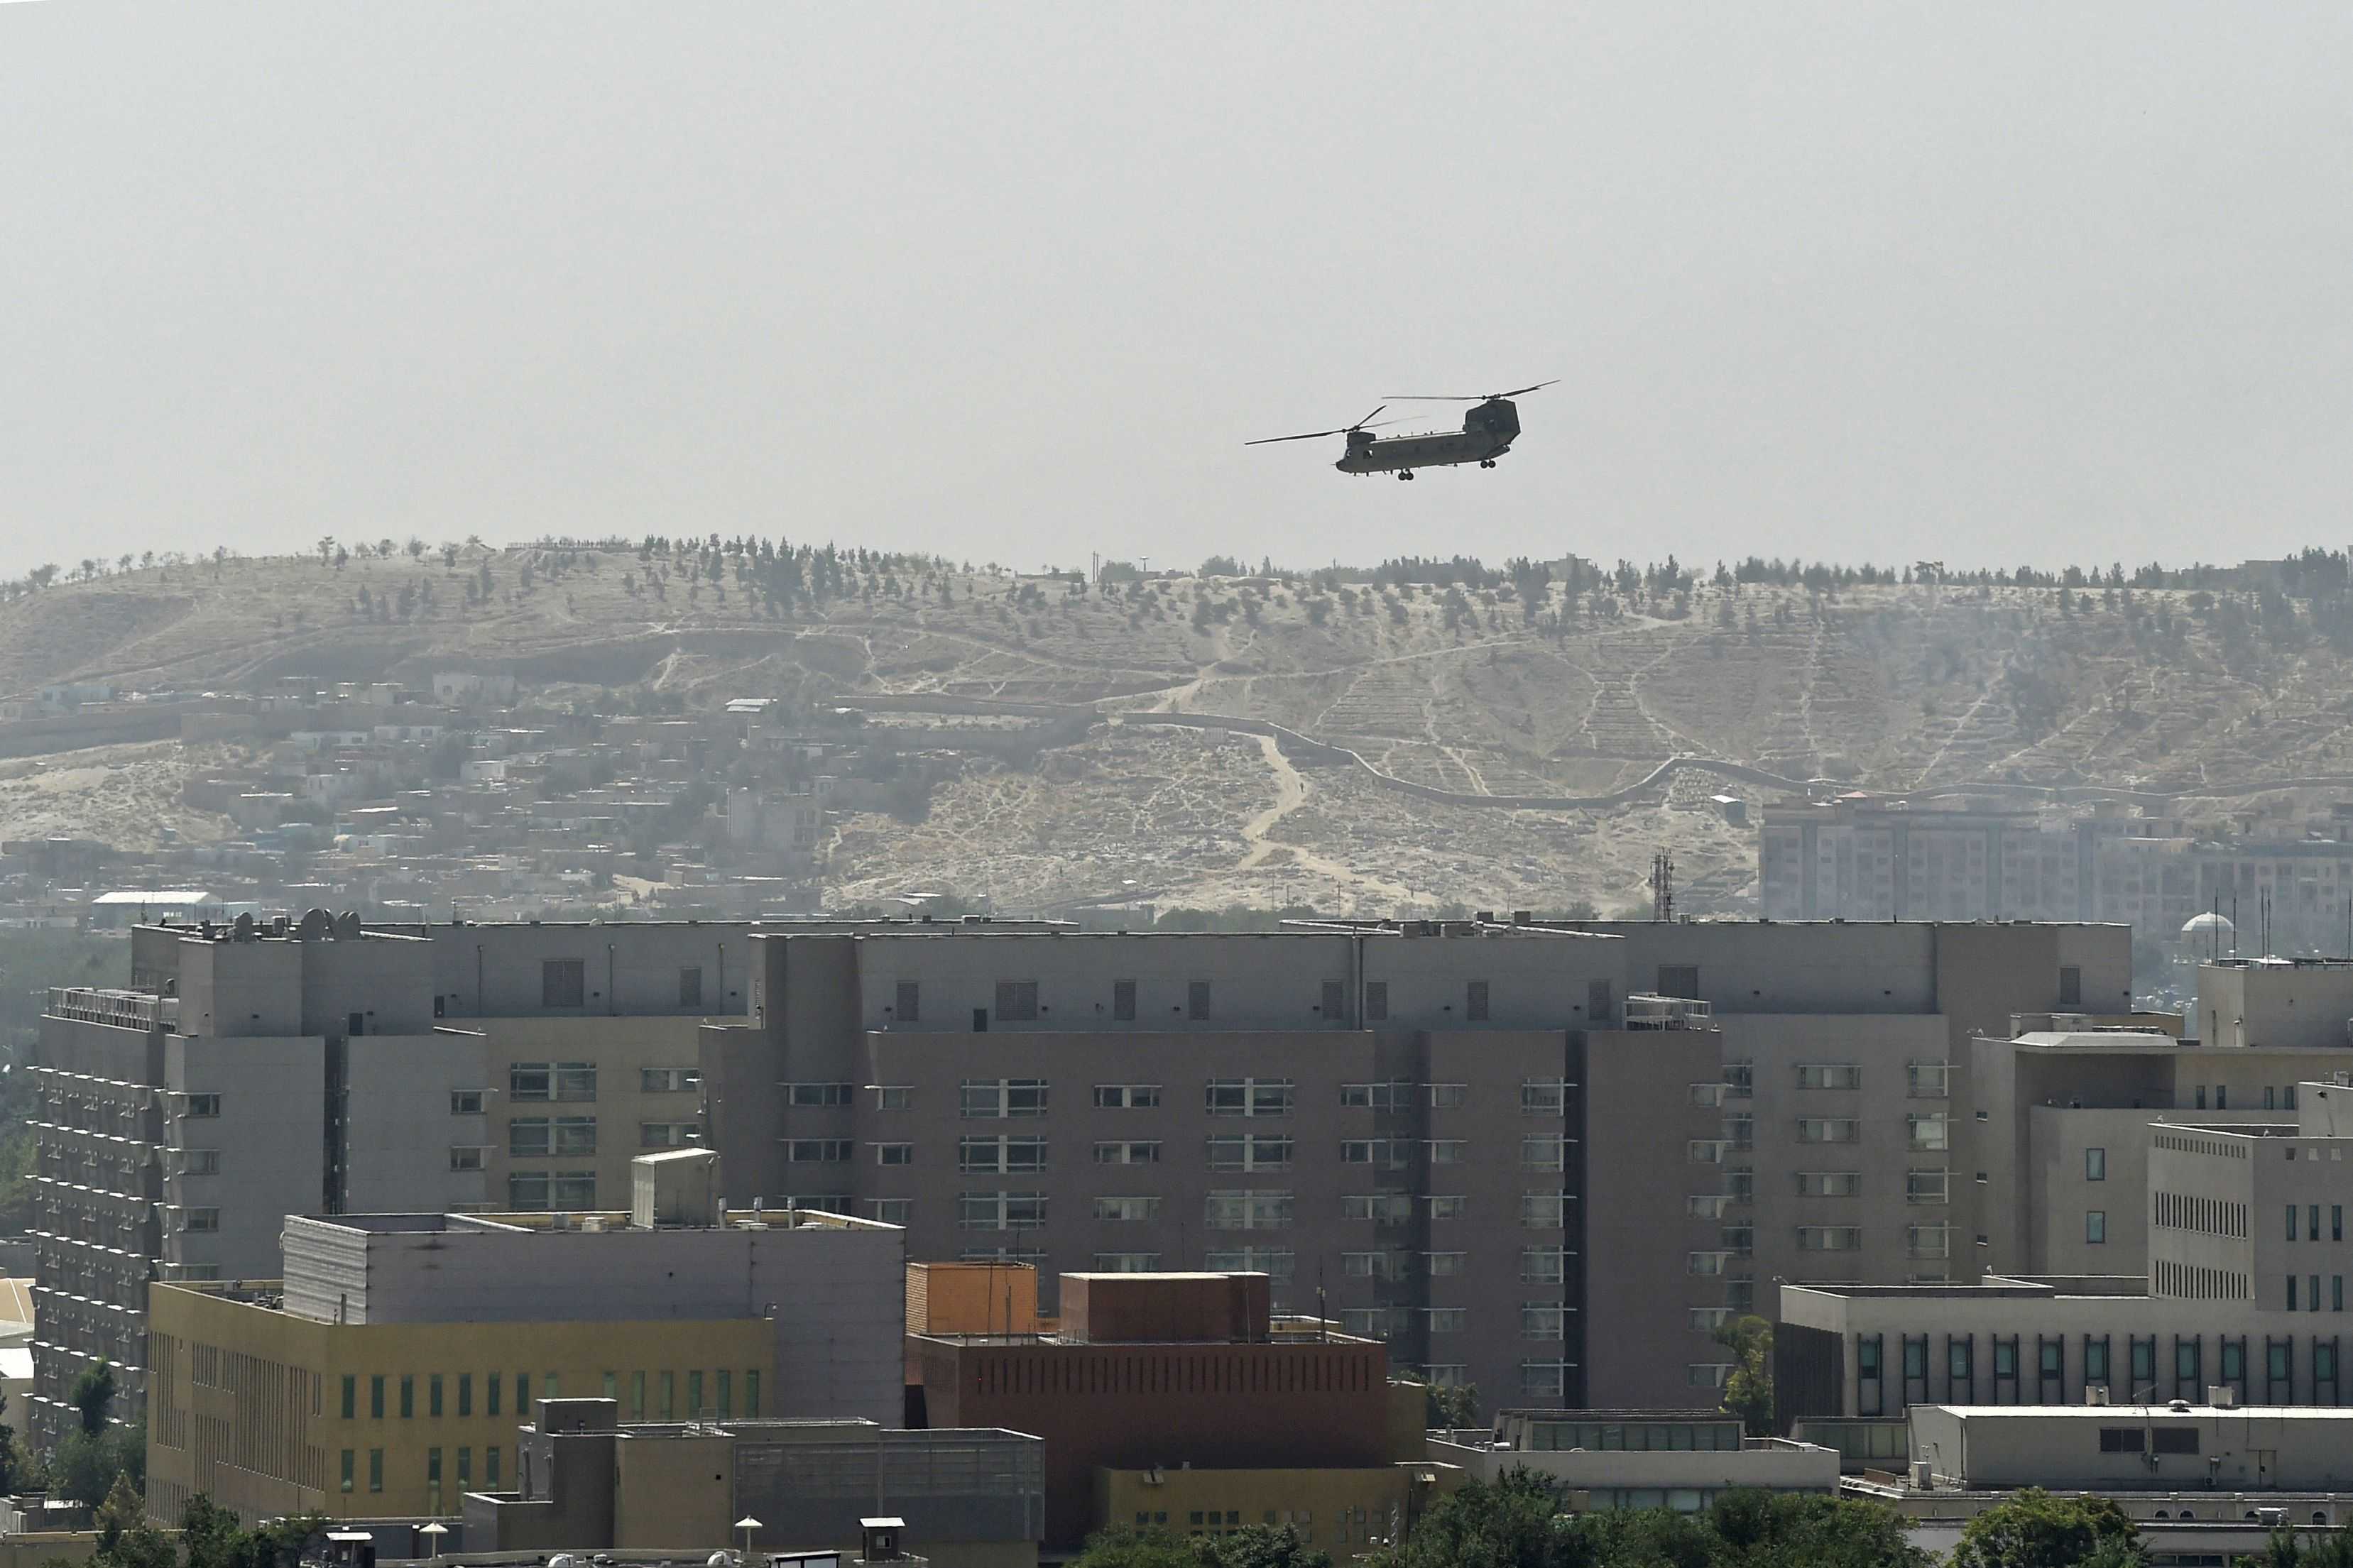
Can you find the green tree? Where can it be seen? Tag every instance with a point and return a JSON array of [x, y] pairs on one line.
[[93, 1396], [1516, 1522], [1451, 1408], [1748, 1392], [2037, 1530], [1781, 1530]]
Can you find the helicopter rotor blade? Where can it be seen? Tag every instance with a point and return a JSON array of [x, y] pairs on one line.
[[1537, 387], [1440, 397], [1368, 418], [1310, 435]]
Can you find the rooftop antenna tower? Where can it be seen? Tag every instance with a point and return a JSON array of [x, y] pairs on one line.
[[1663, 886]]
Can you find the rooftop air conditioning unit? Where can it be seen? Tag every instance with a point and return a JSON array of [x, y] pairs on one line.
[[1923, 1477]]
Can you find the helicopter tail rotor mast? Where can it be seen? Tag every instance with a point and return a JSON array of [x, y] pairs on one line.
[[1364, 423]]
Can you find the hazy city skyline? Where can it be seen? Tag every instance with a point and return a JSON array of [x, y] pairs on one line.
[[1999, 285]]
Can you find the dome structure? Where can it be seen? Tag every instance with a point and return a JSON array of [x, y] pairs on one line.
[[2207, 926]]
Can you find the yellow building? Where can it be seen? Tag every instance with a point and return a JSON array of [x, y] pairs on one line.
[[271, 1412], [1344, 1511]]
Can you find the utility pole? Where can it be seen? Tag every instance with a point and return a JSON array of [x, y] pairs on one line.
[[1663, 886]]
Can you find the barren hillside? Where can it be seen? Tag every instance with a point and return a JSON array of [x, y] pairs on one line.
[[1889, 689]]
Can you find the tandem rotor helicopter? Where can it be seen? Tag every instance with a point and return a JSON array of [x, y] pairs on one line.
[[1488, 431]]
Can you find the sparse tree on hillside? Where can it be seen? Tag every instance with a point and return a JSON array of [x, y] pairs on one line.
[[326, 549], [416, 548], [449, 558]]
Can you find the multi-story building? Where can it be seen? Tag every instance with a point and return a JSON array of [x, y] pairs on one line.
[[256, 1071], [587, 1482], [2244, 1290], [1172, 1371], [1600, 1133], [1679, 1459], [1854, 859], [370, 1378]]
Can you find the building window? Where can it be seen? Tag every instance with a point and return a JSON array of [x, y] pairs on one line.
[[563, 983], [1928, 1080], [1829, 1075], [668, 1134], [1543, 1320], [465, 1102], [1000, 1211], [988, 1099], [1446, 1151], [1000, 1157], [376, 1469], [202, 1105], [2122, 1440], [1446, 1205], [2291, 1222], [2096, 1226], [1446, 1320], [1543, 1096], [1127, 1209], [1377, 1001], [1449, 1096], [818, 1150], [576, 1134], [2095, 1164], [464, 1394], [1126, 1096], [1250, 1152], [2173, 1440], [407, 1395], [1542, 1154], [1133, 1152], [1016, 1001], [908, 1007], [527, 1137], [1927, 1186], [1277, 1263], [351, 1398], [1827, 1130], [894, 1153], [1542, 1211], [433, 1395], [1123, 1001], [1541, 1266], [892, 1095], [889, 1211], [1196, 1001], [1679, 980], [348, 1457], [376, 1397], [1127, 1262], [1248, 1096], [1474, 1002], [200, 1219], [1926, 1131], [1335, 1006], [669, 1080], [817, 1096], [1829, 1239], [1829, 1184], [1247, 1210]]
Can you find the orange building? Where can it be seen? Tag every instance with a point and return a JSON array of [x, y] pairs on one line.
[[1166, 1370]]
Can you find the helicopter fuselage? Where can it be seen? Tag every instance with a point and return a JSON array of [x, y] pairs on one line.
[[1487, 433]]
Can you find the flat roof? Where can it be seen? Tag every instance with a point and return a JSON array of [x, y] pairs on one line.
[[2109, 1412]]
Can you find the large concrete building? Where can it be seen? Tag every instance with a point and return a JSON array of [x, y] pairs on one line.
[[1171, 1371], [365, 1381], [2244, 1290], [588, 1482], [1597, 1134]]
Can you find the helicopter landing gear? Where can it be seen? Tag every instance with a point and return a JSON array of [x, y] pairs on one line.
[[1405, 473], [1486, 462]]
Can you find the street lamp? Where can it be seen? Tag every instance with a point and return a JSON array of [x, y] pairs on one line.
[[747, 1524], [437, 1530]]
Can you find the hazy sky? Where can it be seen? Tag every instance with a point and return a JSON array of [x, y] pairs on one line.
[[1986, 282]]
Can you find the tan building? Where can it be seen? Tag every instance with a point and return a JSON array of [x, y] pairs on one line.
[[271, 1413], [587, 1482]]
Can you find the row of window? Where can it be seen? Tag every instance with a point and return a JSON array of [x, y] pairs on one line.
[[1017, 1002], [1538, 1211], [1222, 1210], [349, 1467], [540, 1137], [2312, 1222], [454, 1394], [1921, 1080], [999, 1098], [2048, 1374], [1016, 1155]]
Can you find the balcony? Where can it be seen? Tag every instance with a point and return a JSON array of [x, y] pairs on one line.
[[142, 1010]]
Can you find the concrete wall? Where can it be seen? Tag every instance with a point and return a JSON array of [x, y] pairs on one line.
[[398, 1117], [1346, 1513], [2273, 1002], [834, 1295], [1774, 1465], [630, 968], [620, 1049], [270, 1136], [2255, 1448]]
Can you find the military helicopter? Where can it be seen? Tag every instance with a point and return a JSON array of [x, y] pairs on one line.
[[1488, 432]]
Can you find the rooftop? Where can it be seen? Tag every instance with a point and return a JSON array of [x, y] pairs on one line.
[[2177, 1408]]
